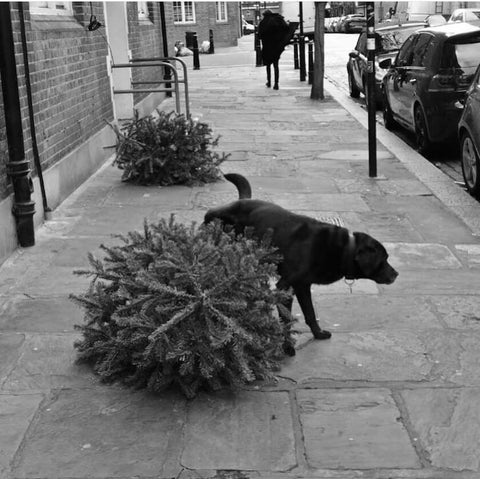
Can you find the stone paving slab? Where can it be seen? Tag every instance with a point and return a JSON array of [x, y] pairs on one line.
[[458, 281], [106, 432], [323, 202], [458, 311], [447, 422], [425, 214], [16, 413], [110, 220], [45, 362], [374, 356], [249, 430], [354, 312], [354, 429], [421, 256], [47, 314], [10, 347]]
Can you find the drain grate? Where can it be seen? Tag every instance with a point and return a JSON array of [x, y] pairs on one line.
[[334, 220]]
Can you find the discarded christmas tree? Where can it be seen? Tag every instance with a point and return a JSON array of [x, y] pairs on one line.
[[167, 149], [183, 305]]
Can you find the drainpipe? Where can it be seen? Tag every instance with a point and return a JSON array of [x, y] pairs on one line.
[[33, 132], [18, 167]]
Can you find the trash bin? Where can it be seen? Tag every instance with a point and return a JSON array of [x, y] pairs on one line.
[[190, 39]]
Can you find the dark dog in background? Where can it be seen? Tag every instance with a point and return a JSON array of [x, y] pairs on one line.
[[313, 252]]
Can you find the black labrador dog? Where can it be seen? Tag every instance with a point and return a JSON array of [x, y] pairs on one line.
[[313, 252]]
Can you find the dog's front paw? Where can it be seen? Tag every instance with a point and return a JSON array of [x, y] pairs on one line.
[[322, 334]]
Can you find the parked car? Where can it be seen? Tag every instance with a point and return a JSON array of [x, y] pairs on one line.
[[354, 23], [469, 136], [465, 15], [429, 77], [388, 42]]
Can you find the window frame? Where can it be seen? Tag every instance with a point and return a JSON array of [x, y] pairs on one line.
[[50, 8], [183, 20], [221, 7]]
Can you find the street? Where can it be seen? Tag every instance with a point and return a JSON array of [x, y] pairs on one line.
[[337, 47]]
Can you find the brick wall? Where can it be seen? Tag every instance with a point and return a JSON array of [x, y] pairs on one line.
[[71, 88], [224, 33], [4, 183]]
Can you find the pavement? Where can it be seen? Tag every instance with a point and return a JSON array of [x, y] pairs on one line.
[[395, 393]]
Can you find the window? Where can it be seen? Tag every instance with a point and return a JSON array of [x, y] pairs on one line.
[[422, 52], [183, 12], [51, 8], [405, 55], [438, 7], [221, 9]]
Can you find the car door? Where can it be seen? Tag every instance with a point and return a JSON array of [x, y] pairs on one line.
[[395, 79], [359, 62], [415, 79]]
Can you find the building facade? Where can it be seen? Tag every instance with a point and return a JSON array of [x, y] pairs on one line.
[[64, 54]]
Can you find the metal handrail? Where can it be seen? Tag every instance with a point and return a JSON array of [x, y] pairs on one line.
[[184, 80], [157, 62]]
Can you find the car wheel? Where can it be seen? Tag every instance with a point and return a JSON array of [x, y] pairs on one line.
[[470, 165], [388, 121], [352, 88], [424, 145]]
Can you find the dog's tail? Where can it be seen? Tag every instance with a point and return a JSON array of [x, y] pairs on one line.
[[242, 184]]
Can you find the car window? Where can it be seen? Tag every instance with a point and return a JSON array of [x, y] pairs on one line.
[[405, 55], [362, 44], [462, 53], [472, 16], [423, 50], [394, 39]]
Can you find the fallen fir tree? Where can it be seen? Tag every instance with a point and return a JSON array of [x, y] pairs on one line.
[[167, 149], [186, 306]]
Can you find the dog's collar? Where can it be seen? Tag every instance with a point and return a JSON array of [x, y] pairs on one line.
[[349, 258]]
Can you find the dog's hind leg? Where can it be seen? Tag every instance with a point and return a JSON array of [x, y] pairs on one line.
[[304, 297]]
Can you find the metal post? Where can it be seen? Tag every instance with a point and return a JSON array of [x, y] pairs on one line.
[[211, 48], [18, 167], [310, 63], [295, 52], [196, 56], [301, 43], [372, 133], [303, 69], [256, 39], [163, 23]]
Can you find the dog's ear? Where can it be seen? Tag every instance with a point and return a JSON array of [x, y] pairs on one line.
[[301, 231]]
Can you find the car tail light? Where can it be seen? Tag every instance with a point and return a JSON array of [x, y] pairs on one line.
[[442, 83]]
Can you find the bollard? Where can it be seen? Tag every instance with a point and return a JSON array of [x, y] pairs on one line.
[[295, 52], [258, 48], [310, 63], [301, 45], [211, 48], [196, 56]]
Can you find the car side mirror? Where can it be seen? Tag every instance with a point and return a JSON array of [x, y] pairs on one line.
[[387, 63], [353, 54]]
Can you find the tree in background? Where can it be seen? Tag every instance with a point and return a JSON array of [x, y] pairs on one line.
[[317, 92]]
